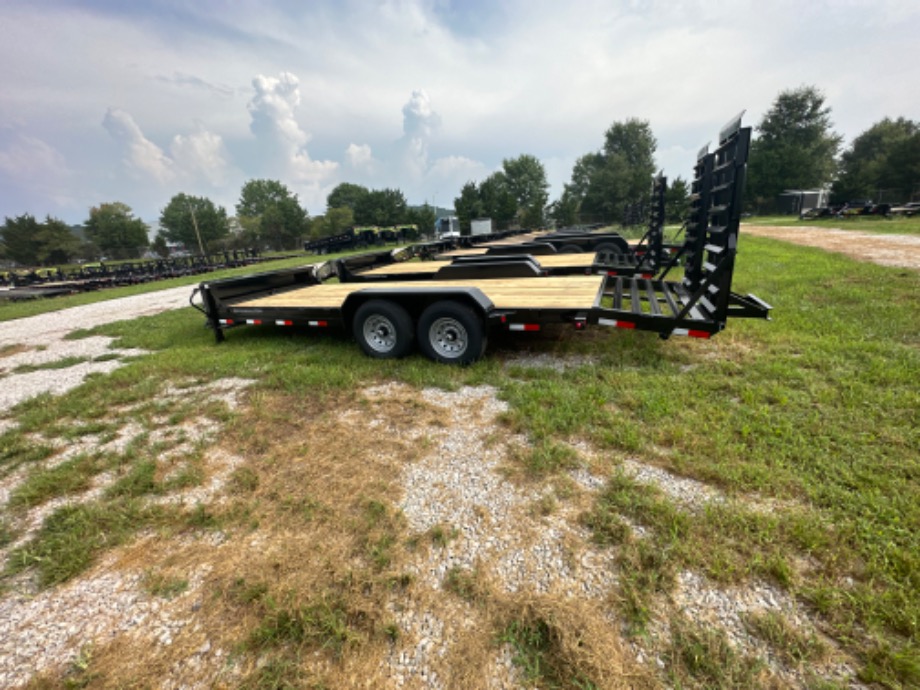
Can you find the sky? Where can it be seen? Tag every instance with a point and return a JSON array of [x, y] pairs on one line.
[[134, 101]]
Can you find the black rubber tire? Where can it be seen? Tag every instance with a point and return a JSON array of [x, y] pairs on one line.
[[569, 249], [609, 248], [383, 329], [451, 333]]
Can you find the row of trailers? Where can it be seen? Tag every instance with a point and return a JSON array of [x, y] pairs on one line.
[[392, 302]]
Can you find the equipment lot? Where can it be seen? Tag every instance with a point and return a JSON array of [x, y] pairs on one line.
[[289, 510]]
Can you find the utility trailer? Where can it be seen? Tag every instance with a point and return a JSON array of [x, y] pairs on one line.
[[450, 319]]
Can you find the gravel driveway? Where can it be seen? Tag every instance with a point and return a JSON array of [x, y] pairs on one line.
[[38, 341]]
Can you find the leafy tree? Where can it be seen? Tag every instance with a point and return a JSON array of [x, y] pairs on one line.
[[20, 235], [422, 217], [159, 246], [795, 147], [57, 244], [194, 221], [677, 201], [498, 201], [282, 222], [468, 206], [525, 180], [564, 211], [383, 207], [604, 182], [881, 162], [114, 229], [334, 222], [346, 195]]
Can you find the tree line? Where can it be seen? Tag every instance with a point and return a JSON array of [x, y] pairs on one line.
[[794, 147]]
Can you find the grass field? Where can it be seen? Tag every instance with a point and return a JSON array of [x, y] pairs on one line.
[[805, 428]]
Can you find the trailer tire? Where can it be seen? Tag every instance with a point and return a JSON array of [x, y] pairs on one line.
[[569, 249], [608, 247], [451, 333], [383, 329]]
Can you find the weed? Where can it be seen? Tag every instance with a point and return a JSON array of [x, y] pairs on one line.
[[537, 653], [442, 535], [321, 625], [139, 481], [71, 476], [792, 645], [63, 363], [159, 584], [464, 583], [72, 536], [243, 480], [700, 656]]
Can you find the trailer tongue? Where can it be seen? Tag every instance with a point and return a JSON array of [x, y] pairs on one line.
[[450, 313]]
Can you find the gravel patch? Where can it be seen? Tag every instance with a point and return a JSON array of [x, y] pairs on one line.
[[887, 250], [43, 336]]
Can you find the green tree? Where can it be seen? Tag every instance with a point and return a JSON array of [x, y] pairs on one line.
[[159, 246], [194, 221], [564, 211], [525, 178], [423, 217], [795, 147], [604, 182], [468, 206], [282, 222], [20, 235], [498, 201], [879, 165], [335, 221], [57, 244], [677, 201], [384, 207], [113, 228], [346, 195]]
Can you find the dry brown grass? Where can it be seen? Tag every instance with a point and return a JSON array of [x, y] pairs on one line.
[[302, 572]]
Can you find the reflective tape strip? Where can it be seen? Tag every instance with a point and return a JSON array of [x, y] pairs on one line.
[[615, 323], [226, 322], [524, 327], [690, 332], [254, 322], [284, 323], [320, 324]]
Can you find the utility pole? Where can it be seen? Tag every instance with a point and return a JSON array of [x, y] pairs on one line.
[[195, 224]]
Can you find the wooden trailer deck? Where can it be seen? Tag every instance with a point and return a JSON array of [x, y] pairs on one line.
[[570, 292], [549, 261]]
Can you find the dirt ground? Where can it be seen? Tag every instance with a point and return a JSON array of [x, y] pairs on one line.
[[885, 250]]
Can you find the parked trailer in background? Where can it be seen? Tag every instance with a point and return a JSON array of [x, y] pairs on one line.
[[481, 226], [450, 320]]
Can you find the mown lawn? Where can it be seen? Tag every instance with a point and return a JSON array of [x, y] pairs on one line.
[[809, 423]]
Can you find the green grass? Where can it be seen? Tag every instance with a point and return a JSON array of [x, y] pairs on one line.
[[877, 224], [815, 416]]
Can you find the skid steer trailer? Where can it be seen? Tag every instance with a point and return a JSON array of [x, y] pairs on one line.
[[702, 301], [450, 319]]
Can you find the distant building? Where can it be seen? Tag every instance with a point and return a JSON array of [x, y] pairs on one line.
[[794, 202]]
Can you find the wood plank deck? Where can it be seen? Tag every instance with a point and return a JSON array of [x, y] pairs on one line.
[[549, 261], [562, 292]]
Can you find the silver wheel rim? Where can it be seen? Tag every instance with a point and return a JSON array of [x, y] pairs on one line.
[[448, 338], [379, 333]]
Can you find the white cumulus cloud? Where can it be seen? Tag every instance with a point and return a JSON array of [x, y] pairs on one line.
[[140, 153], [272, 109]]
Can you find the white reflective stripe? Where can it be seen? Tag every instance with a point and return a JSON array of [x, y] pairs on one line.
[[607, 322], [681, 331], [517, 326], [313, 323], [282, 323], [253, 322], [223, 322]]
